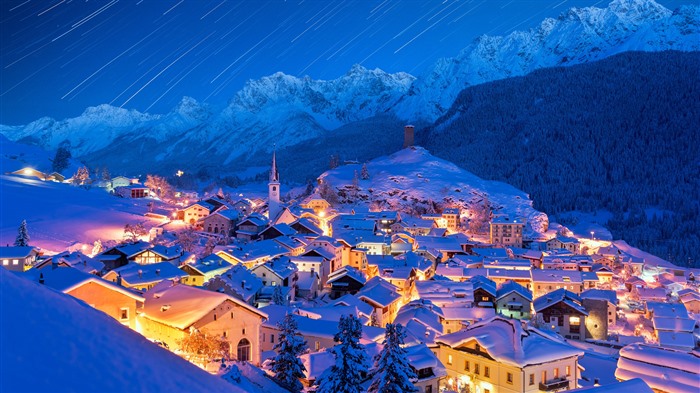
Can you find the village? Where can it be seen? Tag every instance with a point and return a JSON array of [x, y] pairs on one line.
[[487, 309]]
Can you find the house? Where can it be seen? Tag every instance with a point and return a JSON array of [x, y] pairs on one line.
[[251, 254], [316, 203], [346, 280], [295, 244], [171, 311], [121, 181], [308, 285], [194, 213], [690, 299], [602, 312], [665, 370], [221, 221], [18, 259], [76, 260], [278, 272], [570, 244], [484, 291], [383, 297], [313, 263], [30, 172], [507, 355], [451, 219], [158, 253], [122, 254], [203, 270], [238, 282], [277, 230], [505, 231], [333, 250], [514, 301], [413, 226], [305, 226], [114, 300], [144, 277], [548, 280], [424, 313], [562, 312], [250, 227], [649, 294], [132, 191]]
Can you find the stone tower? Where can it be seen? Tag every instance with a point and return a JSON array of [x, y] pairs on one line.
[[407, 136], [273, 202]]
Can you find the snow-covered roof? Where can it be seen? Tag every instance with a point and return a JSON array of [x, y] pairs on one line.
[[167, 253], [674, 324], [468, 314], [76, 260], [512, 342], [256, 250], [663, 369], [560, 295], [131, 249], [481, 282], [506, 219], [238, 280], [423, 311], [353, 301], [667, 310], [348, 271], [136, 274], [420, 357], [523, 264], [66, 279], [282, 266], [445, 291], [635, 385], [443, 244], [307, 280], [491, 252], [600, 294], [16, 252], [679, 340], [181, 306], [379, 291], [511, 286], [211, 263], [556, 276]]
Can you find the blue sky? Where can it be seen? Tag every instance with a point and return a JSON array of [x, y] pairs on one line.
[[60, 56]]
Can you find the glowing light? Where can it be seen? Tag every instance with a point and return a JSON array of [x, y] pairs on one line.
[[179, 173], [27, 171], [574, 320], [322, 214]]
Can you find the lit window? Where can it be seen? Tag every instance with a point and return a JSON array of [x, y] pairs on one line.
[[5, 262], [568, 371], [466, 365], [487, 374], [15, 261], [449, 359], [476, 368], [556, 373], [124, 314], [317, 346], [574, 320], [532, 379]]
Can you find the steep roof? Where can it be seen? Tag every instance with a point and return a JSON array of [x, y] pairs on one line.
[[560, 295], [16, 252], [600, 294], [661, 368], [512, 342], [379, 291], [181, 306], [66, 279], [511, 286], [136, 274]]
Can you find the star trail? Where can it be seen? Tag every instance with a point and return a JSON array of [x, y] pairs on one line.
[[59, 57]]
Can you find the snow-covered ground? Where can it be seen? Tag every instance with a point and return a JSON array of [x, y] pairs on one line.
[[52, 342], [61, 216]]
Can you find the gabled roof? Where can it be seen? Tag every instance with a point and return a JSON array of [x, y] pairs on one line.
[[255, 219], [283, 267], [481, 282], [167, 253], [181, 306], [210, 263], [556, 276], [136, 274], [512, 342], [66, 279], [16, 252], [131, 249], [347, 271], [379, 291], [511, 286], [560, 295], [239, 280], [600, 294], [661, 368], [423, 311]]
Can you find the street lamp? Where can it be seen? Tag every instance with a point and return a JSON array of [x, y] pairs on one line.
[[592, 237]]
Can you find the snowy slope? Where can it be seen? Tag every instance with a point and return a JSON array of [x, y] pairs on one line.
[[14, 156], [577, 36], [286, 110], [60, 216], [52, 342], [412, 178]]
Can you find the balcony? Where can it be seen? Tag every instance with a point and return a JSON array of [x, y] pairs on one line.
[[554, 384]]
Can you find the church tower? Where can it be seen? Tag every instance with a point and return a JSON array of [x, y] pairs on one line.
[[273, 202]]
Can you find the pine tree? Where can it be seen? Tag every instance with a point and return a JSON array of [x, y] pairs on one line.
[[277, 296], [22, 239], [287, 366], [391, 371], [351, 361], [61, 159], [365, 173], [106, 176]]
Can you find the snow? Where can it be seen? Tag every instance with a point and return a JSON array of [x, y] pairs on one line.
[[63, 345], [60, 216], [661, 368], [633, 385]]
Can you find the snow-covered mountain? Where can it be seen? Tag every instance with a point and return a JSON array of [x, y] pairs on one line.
[[577, 36], [413, 180], [285, 110]]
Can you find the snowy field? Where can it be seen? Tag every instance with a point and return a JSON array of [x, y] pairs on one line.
[[60, 216]]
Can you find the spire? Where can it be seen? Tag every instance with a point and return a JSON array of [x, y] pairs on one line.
[[274, 176]]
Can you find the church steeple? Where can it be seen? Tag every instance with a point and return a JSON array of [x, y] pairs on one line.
[[274, 175]]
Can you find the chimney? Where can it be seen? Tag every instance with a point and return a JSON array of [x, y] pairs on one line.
[[157, 272], [408, 136], [41, 278], [596, 382], [119, 279], [54, 264], [243, 284]]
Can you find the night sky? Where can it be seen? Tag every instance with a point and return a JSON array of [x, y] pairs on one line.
[[60, 56]]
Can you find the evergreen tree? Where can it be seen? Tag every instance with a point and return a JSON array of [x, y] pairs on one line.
[[277, 296], [351, 361], [287, 366], [106, 176], [22, 239], [391, 371], [365, 172], [61, 159]]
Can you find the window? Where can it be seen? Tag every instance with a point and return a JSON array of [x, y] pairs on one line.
[[544, 376], [317, 346], [272, 338], [243, 330], [556, 373], [243, 350], [532, 379], [568, 371], [487, 374], [225, 333], [262, 336], [15, 261], [231, 314], [5, 262], [476, 368], [215, 317], [509, 378], [477, 347], [449, 359], [123, 314], [466, 365]]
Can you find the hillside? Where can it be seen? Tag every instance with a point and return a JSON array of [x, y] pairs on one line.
[[52, 342], [617, 135], [286, 111], [414, 181]]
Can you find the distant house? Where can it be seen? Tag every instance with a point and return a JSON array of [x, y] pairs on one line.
[[144, 277], [115, 301], [568, 243], [691, 299], [278, 230], [172, 311], [383, 297], [238, 282], [562, 311], [203, 270], [195, 212], [250, 227], [222, 221], [548, 280], [157, 254], [514, 301], [132, 191], [75, 260], [18, 259], [278, 272], [413, 226], [663, 369], [316, 203], [484, 291], [346, 280], [121, 255], [506, 231], [30, 172]]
